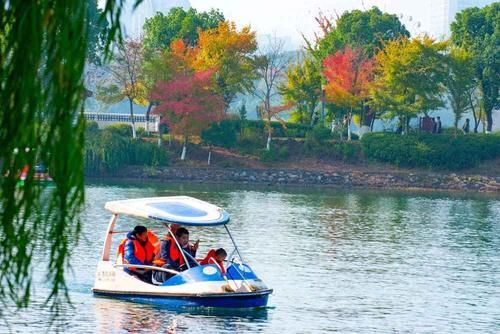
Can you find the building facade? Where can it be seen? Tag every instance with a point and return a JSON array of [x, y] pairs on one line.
[[442, 13], [106, 119]]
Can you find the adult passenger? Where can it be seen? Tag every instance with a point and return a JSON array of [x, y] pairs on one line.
[[138, 250], [171, 257]]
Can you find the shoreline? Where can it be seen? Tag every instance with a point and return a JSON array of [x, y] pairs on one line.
[[392, 180]]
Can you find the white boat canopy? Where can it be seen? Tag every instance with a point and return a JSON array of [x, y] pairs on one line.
[[183, 210]]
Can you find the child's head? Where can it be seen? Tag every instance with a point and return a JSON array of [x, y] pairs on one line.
[[220, 254], [182, 236]]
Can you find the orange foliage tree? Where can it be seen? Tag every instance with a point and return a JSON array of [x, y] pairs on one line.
[[229, 51]]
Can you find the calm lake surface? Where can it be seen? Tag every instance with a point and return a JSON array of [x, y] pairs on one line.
[[338, 260]]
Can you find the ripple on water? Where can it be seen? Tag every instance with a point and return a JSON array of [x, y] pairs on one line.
[[339, 261]]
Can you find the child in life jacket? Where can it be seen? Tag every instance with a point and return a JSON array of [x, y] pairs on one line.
[[216, 256]]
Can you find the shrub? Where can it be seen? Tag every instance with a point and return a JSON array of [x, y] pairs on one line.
[[222, 134], [274, 154], [349, 151], [250, 140], [124, 130], [442, 151], [106, 151]]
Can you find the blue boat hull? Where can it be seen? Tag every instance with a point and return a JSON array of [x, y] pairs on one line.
[[236, 300]]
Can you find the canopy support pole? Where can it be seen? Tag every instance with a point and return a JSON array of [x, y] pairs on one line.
[[109, 237], [234, 243]]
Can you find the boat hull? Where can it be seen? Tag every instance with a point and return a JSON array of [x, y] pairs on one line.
[[226, 300]]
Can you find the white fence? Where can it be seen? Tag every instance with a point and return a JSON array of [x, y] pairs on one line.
[[106, 119]]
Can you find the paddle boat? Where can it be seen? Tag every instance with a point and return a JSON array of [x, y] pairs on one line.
[[198, 285]]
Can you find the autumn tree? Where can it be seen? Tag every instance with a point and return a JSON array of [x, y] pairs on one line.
[[229, 51], [270, 64], [161, 30], [302, 87], [162, 66], [127, 78], [409, 78], [477, 30], [188, 104], [348, 76]]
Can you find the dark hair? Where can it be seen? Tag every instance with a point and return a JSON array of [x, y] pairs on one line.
[[181, 231], [221, 252], [139, 229]]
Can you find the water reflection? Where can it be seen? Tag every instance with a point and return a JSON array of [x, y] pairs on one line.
[[338, 260], [115, 316]]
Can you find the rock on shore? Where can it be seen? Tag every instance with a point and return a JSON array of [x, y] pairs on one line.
[[359, 179]]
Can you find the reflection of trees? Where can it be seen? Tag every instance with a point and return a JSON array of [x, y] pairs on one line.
[[471, 223]]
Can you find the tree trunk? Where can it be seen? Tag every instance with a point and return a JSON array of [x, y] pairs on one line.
[[372, 122], [489, 121], [209, 156], [183, 154], [349, 125], [147, 117], [131, 104], [476, 121], [268, 144]]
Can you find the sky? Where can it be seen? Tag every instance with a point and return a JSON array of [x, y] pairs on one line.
[[292, 17]]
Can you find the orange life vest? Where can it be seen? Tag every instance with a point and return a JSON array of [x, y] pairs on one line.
[[159, 261], [145, 254], [211, 258], [175, 253]]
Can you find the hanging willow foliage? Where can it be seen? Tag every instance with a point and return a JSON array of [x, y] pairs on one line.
[[43, 46]]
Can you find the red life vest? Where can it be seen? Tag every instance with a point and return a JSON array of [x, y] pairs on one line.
[[211, 258]]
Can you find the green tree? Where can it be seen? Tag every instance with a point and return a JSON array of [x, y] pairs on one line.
[[43, 48], [97, 32], [156, 68], [270, 64], [303, 89], [478, 31], [459, 82], [161, 30], [127, 76], [367, 30], [409, 77]]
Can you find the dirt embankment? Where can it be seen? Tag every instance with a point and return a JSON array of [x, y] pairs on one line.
[[229, 166]]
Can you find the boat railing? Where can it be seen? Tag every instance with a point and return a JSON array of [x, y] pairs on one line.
[[141, 266]]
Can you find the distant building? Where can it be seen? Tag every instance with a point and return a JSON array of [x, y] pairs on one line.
[[106, 119], [442, 14], [133, 20]]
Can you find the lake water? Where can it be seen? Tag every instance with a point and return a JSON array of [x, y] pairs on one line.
[[338, 261]]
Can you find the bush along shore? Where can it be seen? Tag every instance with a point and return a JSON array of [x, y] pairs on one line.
[[307, 157]]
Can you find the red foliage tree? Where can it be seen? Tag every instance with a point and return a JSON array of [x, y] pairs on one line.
[[348, 76], [188, 104]]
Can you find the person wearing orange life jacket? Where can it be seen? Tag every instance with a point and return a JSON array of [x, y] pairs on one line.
[[170, 255], [216, 256], [140, 251]]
